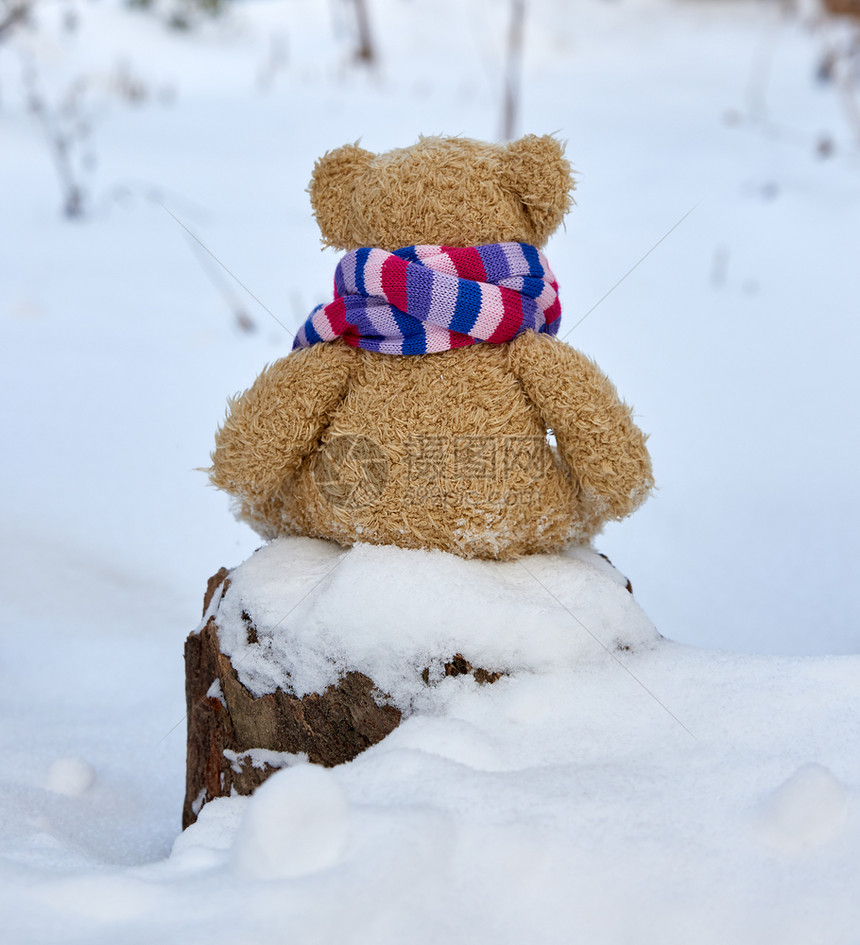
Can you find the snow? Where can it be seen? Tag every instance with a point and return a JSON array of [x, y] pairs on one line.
[[294, 825], [808, 810], [572, 800], [262, 758], [318, 612], [71, 776], [699, 788]]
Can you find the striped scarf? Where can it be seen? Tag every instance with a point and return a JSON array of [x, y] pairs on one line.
[[424, 299]]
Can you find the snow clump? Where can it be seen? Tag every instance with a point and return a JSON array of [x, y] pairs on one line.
[[807, 810], [70, 776], [295, 824]]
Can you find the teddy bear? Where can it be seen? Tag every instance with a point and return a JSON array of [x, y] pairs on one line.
[[431, 404]]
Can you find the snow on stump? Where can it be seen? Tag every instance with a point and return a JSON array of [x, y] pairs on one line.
[[311, 652]]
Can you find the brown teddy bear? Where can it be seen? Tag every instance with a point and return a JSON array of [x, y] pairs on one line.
[[415, 408]]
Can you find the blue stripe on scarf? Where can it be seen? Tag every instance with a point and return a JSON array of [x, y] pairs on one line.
[[406, 323], [532, 258], [360, 261], [311, 334], [408, 253], [532, 287], [415, 343], [468, 307]]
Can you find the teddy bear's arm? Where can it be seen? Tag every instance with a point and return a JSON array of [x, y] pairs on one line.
[[277, 422], [594, 428]]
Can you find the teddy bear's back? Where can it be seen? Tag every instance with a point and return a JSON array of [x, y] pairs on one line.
[[434, 451]]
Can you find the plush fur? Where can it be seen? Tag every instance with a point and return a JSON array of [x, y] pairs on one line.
[[446, 450]]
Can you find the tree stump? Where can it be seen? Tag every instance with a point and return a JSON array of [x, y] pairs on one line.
[[237, 738], [236, 741]]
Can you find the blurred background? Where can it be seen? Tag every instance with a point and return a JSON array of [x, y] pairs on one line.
[[710, 266]]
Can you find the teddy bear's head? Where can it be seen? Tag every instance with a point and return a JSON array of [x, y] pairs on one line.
[[442, 191]]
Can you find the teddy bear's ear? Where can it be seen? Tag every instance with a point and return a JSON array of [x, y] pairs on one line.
[[331, 189], [541, 176]]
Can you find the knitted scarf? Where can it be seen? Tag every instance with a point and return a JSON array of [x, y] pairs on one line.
[[424, 299]]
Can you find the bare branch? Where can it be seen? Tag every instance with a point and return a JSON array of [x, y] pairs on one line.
[[511, 99], [13, 14], [365, 51]]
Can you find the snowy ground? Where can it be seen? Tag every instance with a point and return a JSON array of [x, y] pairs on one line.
[[558, 805]]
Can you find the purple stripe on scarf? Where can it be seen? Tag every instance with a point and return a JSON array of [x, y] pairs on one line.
[[357, 315], [495, 262], [532, 315], [344, 274], [419, 290], [384, 320], [514, 258]]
